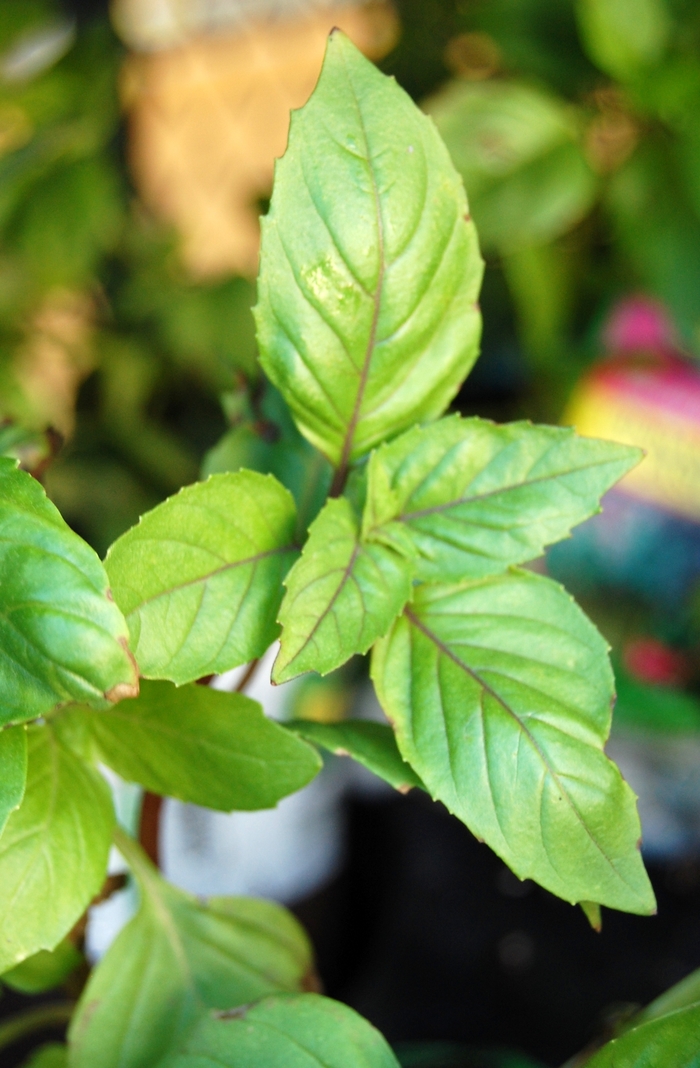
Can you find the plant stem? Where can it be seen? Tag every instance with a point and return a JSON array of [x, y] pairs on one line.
[[54, 1014], [248, 675], [142, 867]]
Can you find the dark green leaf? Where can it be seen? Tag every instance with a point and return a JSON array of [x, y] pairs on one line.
[[671, 1041], [53, 852], [302, 1031], [367, 316], [44, 970], [500, 692], [13, 770], [61, 638], [371, 744], [476, 497], [679, 996], [341, 595], [175, 959], [53, 1055], [203, 746], [200, 578]]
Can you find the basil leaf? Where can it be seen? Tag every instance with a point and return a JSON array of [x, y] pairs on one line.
[[54, 849], [285, 1032], [671, 1041], [624, 37], [200, 578], [500, 692], [475, 497], [61, 638], [174, 960], [203, 746], [371, 744], [370, 271], [341, 595], [44, 970]]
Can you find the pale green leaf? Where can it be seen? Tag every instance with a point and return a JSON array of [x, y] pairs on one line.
[[53, 852], [342, 594], [371, 744], [200, 578], [370, 270], [61, 637], [500, 693], [476, 497], [203, 746], [13, 770], [177, 958], [624, 36], [671, 1041], [517, 149], [44, 970], [284, 1031]]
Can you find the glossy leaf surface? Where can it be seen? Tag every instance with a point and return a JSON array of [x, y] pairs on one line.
[[303, 1031], [342, 594], [500, 693], [53, 852], [61, 638], [177, 958], [203, 746], [371, 744], [476, 497], [200, 578], [13, 770], [672, 1041], [370, 269]]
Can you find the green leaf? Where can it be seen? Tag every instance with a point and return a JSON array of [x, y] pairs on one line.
[[13, 770], [52, 1055], [53, 852], [671, 1041], [177, 958], [302, 1031], [500, 692], [203, 746], [641, 706], [45, 969], [371, 744], [61, 638], [341, 595], [679, 996], [370, 271], [517, 149], [200, 578], [624, 36], [476, 497]]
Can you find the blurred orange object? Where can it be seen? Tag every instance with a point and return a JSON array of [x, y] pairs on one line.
[[208, 118]]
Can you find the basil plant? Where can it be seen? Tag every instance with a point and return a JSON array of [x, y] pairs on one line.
[[496, 687]]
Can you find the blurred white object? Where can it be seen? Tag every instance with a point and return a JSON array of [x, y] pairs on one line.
[[152, 24], [34, 52]]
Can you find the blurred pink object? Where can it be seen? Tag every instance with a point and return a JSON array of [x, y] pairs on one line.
[[640, 324]]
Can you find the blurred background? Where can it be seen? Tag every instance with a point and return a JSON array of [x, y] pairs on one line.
[[137, 145]]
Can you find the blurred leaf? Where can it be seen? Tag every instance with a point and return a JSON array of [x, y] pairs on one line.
[[202, 746], [500, 693], [342, 594], [371, 744], [226, 543], [63, 639], [680, 996], [54, 849], [44, 970], [52, 1055], [176, 958], [517, 150], [474, 497], [367, 316], [624, 36], [281, 1032], [641, 706]]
